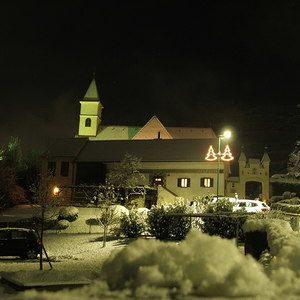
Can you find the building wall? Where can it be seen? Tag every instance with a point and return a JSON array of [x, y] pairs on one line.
[[194, 171], [60, 176]]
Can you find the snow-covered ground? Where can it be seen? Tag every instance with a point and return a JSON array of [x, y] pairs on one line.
[[200, 267]]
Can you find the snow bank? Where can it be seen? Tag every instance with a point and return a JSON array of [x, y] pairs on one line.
[[284, 243], [201, 265]]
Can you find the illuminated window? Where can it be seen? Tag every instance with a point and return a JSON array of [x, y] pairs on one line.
[[206, 182], [183, 182], [51, 167], [88, 122], [158, 181], [64, 168]]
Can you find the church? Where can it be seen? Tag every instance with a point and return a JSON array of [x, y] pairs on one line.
[[177, 162]]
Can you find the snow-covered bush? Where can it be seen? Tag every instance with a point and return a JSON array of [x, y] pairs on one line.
[[62, 224], [289, 205], [163, 226], [285, 195], [132, 225], [201, 265], [275, 199], [69, 213], [224, 226]]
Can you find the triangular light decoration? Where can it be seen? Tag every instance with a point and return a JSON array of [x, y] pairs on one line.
[[227, 155], [211, 155]]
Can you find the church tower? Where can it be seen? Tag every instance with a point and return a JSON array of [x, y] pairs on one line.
[[90, 112]]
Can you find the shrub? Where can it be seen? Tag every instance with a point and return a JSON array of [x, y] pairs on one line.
[[163, 226], [275, 199], [69, 213], [286, 195], [223, 226], [132, 225], [62, 224], [49, 223]]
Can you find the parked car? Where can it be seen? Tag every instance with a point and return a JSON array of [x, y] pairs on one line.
[[19, 242], [250, 205]]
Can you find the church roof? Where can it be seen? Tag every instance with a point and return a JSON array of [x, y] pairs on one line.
[[191, 133], [153, 129], [116, 132], [168, 150]]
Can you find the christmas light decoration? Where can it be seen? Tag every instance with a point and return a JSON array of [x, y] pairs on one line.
[[211, 155], [227, 155]]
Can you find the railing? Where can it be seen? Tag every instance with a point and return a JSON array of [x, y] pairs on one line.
[[237, 215], [294, 218]]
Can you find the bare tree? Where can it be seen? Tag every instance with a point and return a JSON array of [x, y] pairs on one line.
[[46, 200], [126, 175]]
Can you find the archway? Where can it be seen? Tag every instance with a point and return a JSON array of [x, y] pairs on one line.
[[253, 189]]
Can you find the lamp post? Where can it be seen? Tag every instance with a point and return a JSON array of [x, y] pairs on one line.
[[225, 156]]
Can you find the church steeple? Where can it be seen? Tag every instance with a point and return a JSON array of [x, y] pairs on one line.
[[90, 111], [92, 92]]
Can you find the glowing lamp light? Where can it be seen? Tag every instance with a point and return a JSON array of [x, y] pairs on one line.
[[55, 190], [227, 134]]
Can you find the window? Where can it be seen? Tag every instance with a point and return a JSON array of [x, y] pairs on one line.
[[88, 122], [158, 181], [206, 182], [64, 168], [51, 167], [183, 182], [3, 235], [18, 235]]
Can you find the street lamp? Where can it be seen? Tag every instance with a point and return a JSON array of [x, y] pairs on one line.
[[225, 156]]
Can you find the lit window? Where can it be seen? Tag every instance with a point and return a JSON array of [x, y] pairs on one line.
[[183, 182], [88, 122], [206, 182], [158, 181]]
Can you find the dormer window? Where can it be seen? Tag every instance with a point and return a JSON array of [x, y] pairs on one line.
[[88, 122]]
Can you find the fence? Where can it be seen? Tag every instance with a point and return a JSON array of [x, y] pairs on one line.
[[294, 219]]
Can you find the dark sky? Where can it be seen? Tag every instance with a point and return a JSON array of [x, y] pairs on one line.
[[213, 64]]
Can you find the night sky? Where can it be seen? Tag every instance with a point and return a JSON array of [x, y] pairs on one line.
[[219, 63]]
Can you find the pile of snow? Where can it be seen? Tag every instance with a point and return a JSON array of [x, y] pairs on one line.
[[200, 265], [284, 244]]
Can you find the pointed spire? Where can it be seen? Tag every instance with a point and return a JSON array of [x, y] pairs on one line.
[[242, 155], [266, 157], [92, 92]]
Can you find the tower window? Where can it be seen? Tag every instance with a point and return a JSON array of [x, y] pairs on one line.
[[88, 122], [206, 182], [183, 182]]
